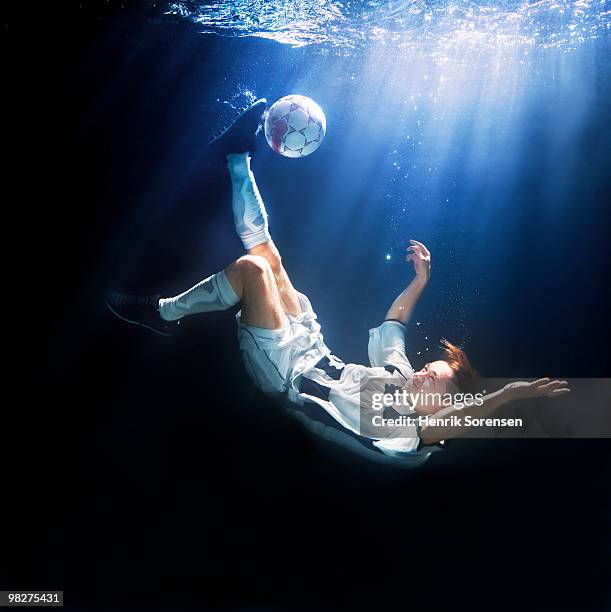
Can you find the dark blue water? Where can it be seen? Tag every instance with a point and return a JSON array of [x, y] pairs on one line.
[[481, 129]]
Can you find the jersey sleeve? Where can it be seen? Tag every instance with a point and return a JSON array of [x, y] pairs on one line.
[[387, 347]]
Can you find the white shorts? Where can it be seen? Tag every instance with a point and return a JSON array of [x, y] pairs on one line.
[[274, 358]]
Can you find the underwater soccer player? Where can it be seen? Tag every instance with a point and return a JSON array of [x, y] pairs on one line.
[[283, 348]]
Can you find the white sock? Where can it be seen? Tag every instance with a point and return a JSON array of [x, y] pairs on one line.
[[249, 214], [213, 293]]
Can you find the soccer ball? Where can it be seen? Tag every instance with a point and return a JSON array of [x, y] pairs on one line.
[[295, 126]]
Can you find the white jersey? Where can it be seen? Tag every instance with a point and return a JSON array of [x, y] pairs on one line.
[[295, 360]]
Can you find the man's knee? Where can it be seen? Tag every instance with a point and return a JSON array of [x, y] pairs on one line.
[[253, 267], [269, 251]]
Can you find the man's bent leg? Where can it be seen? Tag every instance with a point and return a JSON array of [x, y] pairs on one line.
[[252, 279], [249, 280], [288, 295]]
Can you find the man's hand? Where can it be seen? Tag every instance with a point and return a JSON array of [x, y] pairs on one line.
[[422, 259], [401, 309], [543, 387]]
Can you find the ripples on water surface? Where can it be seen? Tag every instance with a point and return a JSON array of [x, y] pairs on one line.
[[432, 27]]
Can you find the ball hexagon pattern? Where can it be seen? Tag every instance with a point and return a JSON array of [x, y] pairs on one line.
[[295, 126]]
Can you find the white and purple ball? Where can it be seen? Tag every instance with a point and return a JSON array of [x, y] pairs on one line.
[[295, 126]]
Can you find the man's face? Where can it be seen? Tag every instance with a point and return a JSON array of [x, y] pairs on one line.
[[435, 377]]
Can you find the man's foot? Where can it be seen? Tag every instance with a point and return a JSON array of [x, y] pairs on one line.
[[142, 311], [240, 135]]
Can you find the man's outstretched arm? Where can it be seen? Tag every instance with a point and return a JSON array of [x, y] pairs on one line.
[[403, 306], [543, 387]]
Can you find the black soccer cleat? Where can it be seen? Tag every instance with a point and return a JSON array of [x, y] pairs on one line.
[[240, 135], [143, 311]]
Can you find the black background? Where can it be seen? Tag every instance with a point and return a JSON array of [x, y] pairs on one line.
[[141, 483]]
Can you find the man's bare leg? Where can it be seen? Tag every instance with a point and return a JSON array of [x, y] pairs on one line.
[[253, 281], [288, 295], [248, 280]]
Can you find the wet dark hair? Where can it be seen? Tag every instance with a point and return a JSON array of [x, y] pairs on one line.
[[465, 376]]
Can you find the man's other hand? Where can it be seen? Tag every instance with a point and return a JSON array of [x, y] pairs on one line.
[[543, 387], [421, 258]]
